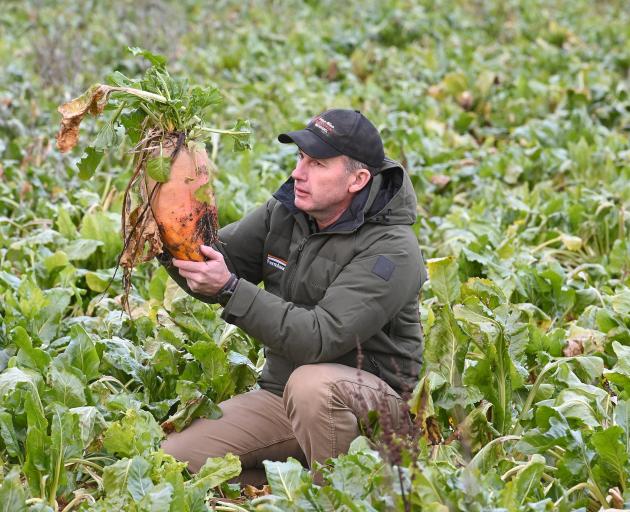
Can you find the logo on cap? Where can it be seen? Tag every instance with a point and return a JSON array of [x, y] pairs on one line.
[[324, 126]]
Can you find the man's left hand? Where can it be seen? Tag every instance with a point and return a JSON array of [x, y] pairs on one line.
[[205, 277]]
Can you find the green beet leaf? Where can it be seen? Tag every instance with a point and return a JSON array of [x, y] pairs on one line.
[[67, 385], [553, 431], [81, 249], [34, 409], [444, 280], [157, 285], [215, 471], [29, 356], [166, 359], [154, 58], [132, 123], [11, 378], [65, 443], [8, 434], [136, 434], [446, 347], [158, 498], [128, 478], [64, 223], [12, 496], [200, 407], [98, 281], [620, 373], [285, 478], [56, 260], [611, 466], [104, 227], [37, 460], [81, 353], [241, 133], [105, 139], [524, 485], [358, 471], [622, 418], [159, 168], [90, 423], [90, 161]]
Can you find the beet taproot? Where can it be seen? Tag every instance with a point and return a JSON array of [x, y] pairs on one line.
[[184, 221]]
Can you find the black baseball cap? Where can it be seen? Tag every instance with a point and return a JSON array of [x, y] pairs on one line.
[[339, 132]]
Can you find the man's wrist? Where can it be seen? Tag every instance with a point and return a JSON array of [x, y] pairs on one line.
[[225, 293]]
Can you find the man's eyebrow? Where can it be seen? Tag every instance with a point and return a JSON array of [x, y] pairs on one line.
[[320, 160]]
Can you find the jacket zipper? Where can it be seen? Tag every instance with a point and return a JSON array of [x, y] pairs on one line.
[[295, 264], [299, 249]]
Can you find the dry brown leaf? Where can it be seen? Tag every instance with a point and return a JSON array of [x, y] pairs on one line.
[[252, 492], [466, 162], [574, 347], [143, 240], [92, 101], [465, 100], [433, 433], [435, 91], [333, 70], [25, 189], [440, 180]]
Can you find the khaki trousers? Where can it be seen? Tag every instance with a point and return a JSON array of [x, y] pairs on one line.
[[316, 418]]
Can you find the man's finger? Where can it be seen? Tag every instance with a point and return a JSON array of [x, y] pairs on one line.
[[210, 253], [188, 275], [191, 266]]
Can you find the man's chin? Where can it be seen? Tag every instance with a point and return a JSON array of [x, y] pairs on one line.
[[300, 204]]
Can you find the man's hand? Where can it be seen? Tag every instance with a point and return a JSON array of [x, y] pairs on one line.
[[205, 277]]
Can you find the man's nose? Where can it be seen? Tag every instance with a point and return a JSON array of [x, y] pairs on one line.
[[299, 172]]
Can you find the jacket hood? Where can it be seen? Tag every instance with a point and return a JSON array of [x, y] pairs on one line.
[[389, 199]]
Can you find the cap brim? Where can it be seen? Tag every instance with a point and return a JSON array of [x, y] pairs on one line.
[[310, 143]]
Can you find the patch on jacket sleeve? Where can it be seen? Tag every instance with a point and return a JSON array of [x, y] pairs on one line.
[[383, 268], [276, 262]]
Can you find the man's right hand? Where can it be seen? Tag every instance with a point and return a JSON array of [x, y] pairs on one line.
[[205, 277]]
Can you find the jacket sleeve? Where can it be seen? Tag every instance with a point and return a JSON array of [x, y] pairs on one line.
[[361, 300], [241, 244]]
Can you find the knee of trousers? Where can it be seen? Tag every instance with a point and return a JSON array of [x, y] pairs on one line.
[[309, 388], [177, 447]]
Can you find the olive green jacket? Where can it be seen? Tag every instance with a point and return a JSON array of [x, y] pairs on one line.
[[326, 292]]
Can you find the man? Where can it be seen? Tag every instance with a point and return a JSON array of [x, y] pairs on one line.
[[341, 269]]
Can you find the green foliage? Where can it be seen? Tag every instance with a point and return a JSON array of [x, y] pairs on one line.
[[511, 118]]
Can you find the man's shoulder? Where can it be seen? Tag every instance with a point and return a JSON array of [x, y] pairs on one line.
[[383, 235], [278, 212]]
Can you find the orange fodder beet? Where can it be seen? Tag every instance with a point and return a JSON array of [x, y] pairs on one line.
[[184, 222]]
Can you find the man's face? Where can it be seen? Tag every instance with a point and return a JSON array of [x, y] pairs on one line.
[[322, 187]]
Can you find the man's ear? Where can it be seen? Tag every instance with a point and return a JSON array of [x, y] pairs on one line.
[[361, 177]]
